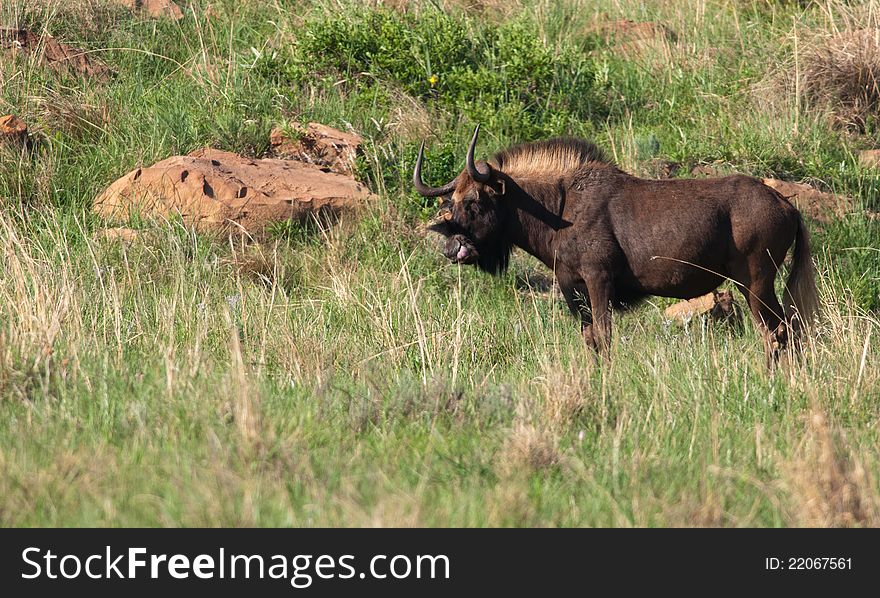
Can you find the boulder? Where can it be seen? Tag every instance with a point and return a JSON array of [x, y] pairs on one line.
[[13, 130], [52, 53], [719, 305], [154, 8], [819, 205], [317, 144], [222, 192]]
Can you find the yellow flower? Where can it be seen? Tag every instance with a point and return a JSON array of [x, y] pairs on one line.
[[433, 80]]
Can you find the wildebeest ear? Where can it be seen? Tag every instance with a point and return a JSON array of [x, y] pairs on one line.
[[496, 188]]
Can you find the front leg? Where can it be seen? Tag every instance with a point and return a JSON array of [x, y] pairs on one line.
[[600, 290], [574, 289]]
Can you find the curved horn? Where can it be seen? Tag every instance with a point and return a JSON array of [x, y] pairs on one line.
[[473, 171], [421, 187]]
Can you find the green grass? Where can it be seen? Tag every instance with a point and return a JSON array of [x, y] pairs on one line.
[[347, 375]]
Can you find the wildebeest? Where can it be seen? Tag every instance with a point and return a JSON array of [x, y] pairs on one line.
[[613, 238]]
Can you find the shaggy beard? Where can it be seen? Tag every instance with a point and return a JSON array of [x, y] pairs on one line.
[[494, 260]]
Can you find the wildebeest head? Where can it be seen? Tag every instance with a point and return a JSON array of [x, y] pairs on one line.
[[471, 214]]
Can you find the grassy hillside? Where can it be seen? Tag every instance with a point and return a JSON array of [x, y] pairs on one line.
[[347, 374]]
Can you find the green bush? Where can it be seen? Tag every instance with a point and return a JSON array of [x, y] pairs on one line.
[[501, 75]]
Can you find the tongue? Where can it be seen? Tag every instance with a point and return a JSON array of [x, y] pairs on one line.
[[462, 253]]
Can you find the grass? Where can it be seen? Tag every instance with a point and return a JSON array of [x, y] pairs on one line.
[[345, 374]]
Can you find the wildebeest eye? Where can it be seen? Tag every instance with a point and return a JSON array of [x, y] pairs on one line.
[[445, 227]]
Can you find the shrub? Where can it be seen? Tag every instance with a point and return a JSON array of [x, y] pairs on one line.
[[501, 75]]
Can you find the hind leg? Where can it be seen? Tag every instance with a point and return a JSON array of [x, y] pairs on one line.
[[757, 288]]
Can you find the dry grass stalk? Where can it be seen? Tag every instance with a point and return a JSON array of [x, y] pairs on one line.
[[245, 398], [841, 75], [828, 485], [529, 449]]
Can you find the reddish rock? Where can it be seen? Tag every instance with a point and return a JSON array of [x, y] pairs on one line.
[[52, 53], [217, 191], [816, 204], [13, 130], [317, 144], [719, 305], [154, 8]]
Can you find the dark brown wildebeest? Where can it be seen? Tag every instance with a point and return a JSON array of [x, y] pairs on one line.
[[613, 238]]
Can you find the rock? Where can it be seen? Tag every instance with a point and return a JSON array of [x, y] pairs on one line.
[[685, 310], [816, 204], [154, 8], [13, 130], [719, 305], [218, 191], [869, 158], [52, 53], [317, 144]]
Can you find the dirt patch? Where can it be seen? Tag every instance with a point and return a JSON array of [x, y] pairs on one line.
[[49, 52], [217, 191]]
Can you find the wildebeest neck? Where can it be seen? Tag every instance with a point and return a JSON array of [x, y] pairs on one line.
[[535, 214]]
